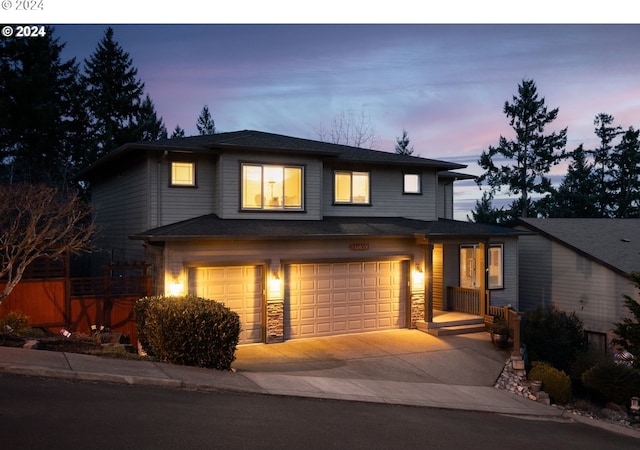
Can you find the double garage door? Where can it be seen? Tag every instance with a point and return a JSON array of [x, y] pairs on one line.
[[320, 299]]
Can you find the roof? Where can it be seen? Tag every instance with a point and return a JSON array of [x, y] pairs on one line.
[[269, 142], [210, 227], [614, 243]]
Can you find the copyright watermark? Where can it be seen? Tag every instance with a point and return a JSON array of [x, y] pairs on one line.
[[6, 4], [7, 31]]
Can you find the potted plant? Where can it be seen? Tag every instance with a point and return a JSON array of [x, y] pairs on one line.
[[499, 332]]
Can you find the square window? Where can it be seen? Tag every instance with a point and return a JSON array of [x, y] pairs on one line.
[[412, 183], [183, 173], [351, 188]]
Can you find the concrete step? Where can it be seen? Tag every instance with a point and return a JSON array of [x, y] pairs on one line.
[[457, 329]]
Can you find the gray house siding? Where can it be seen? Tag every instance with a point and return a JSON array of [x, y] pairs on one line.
[[444, 201], [121, 205], [386, 195], [553, 274]]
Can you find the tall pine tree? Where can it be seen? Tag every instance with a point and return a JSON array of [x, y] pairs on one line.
[[205, 123], [402, 144], [602, 162], [38, 120], [530, 156], [625, 176], [114, 96]]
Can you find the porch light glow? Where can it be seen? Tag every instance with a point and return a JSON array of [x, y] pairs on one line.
[[175, 288], [275, 285], [418, 278]]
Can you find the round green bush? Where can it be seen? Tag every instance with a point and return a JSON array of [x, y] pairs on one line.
[[615, 383], [188, 330], [555, 382]]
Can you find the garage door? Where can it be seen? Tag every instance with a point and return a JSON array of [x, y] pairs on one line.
[[341, 298], [239, 288]]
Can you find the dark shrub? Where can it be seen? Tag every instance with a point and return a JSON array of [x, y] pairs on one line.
[[615, 383], [189, 330], [555, 382], [553, 336], [582, 362]]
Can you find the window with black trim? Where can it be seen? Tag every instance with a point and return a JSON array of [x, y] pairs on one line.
[[272, 187], [412, 184], [183, 173], [351, 188]]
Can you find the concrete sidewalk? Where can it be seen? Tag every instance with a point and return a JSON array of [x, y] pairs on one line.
[[405, 367]]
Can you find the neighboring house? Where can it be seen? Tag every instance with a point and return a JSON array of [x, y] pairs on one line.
[[302, 238], [581, 266]]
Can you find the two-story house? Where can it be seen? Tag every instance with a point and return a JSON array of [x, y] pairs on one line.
[[302, 238]]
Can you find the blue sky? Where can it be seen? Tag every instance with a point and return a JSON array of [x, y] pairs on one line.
[[445, 84]]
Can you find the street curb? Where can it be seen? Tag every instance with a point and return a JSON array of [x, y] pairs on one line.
[[612, 427]]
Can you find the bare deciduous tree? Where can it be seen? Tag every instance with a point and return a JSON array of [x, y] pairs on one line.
[[37, 221], [350, 128]]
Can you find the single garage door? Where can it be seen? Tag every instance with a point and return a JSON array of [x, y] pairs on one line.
[[347, 297], [239, 288]]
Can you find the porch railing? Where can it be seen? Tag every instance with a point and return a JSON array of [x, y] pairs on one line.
[[466, 300]]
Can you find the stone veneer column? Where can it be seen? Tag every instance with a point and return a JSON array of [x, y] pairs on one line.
[[417, 308], [275, 321]]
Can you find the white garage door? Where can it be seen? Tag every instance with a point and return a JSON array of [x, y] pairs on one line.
[[341, 298], [239, 288]]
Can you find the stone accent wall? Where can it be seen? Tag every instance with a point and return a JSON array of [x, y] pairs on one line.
[[275, 321], [417, 308]]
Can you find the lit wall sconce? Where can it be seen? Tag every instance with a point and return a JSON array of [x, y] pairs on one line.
[[175, 288], [275, 285], [418, 278], [635, 404]]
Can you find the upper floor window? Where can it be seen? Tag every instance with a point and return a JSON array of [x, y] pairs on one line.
[[271, 187], [183, 173], [412, 183], [351, 188]]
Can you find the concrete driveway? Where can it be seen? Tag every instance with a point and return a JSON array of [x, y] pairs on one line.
[[396, 355]]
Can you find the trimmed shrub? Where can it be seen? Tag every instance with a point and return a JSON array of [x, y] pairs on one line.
[[613, 382], [583, 361], [555, 382], [17, 324], [189, 330], [553, 336]]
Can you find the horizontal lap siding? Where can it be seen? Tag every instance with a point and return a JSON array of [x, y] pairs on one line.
[[387, 198]]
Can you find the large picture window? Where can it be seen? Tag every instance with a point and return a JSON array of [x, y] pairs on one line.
[[351, 188], [272, 187], [470, 271]]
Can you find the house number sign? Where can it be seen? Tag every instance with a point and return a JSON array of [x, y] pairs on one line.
[[359, 247]]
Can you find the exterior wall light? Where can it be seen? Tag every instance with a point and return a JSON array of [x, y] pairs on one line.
[[175, 288], [418, 278], [275, 285]]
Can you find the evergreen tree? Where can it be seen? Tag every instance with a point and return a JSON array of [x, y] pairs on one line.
[[402, 144], [530, 156], [177, 132], [602, 162], [576, 195], [205, 123], [625, 176], [37, 91], [149, 127], [484, 212], [114, 96]]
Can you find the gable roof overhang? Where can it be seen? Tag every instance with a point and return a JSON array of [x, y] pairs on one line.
[[259, 141], [612, 243], [211, 227]]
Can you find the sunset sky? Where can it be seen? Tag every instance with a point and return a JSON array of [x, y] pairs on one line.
[[446, 85]]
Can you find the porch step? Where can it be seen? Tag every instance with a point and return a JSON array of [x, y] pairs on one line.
[[452, 327], [456, 329]]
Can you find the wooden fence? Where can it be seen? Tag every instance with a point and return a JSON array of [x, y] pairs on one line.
[[79, 303]]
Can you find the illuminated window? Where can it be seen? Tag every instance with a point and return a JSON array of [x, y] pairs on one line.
[[495, 265], [271, 187], [412, 183], [351, 188], [469, 273], [183, 173]]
